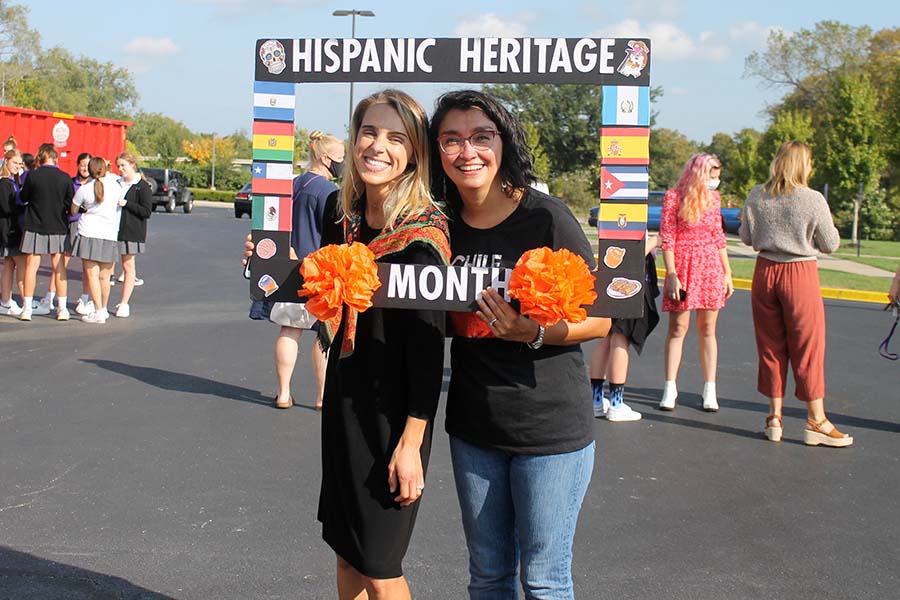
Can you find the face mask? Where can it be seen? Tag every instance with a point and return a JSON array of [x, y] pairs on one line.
[[712, 184], [336, 168]]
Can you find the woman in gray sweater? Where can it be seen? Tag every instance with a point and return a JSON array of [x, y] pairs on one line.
[[789, 224]]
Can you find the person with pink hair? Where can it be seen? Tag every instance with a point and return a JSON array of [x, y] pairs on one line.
[[698, 274]]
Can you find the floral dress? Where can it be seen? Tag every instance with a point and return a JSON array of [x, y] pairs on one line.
[[697, 261]]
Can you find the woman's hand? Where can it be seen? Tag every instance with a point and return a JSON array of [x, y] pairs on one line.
[[729, 286], [248, 249], [502, 318], [672, 287], [122, 201], [406, 478]]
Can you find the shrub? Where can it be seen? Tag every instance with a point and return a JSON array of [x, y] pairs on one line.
[[212, 195], [578, 189]]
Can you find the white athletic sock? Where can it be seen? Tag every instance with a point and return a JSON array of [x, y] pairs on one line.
[[27, 302], [61, 301]]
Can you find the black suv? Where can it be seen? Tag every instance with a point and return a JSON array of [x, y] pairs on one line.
[[169, 189]]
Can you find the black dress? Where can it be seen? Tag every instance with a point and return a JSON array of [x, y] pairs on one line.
[[395, 371]]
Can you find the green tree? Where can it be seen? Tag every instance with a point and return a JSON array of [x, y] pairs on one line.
[[745, 164], [669, 151], [788, 125], [243, 145], [848, 151], [160, 136], [81, 85], [17, 47], [807, 61], [301, 145], [567, 118], [541, 160]]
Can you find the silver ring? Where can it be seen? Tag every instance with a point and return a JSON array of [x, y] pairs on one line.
[[491, 324]]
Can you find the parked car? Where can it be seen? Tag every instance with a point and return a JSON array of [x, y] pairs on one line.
[[731, 217], [170, 189], [243, 204]]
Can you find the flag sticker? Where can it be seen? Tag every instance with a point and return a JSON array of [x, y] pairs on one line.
[[624, 183], [272, 213], [622, 221], [272, 178], [273, 101], [272, 128], [625, 145], [626, 105], [268, 147]]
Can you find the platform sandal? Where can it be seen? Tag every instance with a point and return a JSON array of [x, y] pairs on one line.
[[774, 428], [814, 436]]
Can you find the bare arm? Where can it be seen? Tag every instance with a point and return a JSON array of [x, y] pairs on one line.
[[514, 327]]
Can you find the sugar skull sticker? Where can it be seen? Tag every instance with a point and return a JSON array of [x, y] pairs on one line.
[[636, 59], [272, 55]]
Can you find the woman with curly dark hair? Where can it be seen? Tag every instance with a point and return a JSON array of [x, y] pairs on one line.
[[519, 409]]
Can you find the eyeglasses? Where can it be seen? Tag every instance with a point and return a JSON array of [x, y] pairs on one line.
[[480, 140]]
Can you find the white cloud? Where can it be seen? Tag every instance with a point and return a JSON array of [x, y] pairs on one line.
[[490, 25], [668, 41], [751, 33], [151, 46]]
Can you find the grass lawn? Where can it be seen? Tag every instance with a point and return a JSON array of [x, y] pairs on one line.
[[742, 268], [869, 248]]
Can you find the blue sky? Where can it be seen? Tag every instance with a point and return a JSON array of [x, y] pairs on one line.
[[192, 60]]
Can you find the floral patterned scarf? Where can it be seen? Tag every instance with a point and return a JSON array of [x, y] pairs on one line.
[[429, 227]]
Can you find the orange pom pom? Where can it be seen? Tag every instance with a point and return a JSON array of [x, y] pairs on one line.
[[552, 286], [337, 275]]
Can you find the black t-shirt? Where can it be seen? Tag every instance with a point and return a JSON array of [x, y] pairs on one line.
[[502, 394]]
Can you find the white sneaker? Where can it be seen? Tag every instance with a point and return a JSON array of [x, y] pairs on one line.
[[710, 403], [46, 302], [62, 314], [42, 308], [622, 412], [84, 308], [112, 280], [25, 315], [670, 394], [123, 311], [13, 310], [121, 278], [104, 313], [601, 407], [95, 317], [138, 281]]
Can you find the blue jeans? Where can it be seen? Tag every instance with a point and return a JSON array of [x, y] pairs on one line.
[[520, 508]]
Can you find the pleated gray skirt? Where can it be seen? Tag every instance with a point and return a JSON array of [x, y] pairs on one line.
[[105, 251], [132, 247], [43, 243]]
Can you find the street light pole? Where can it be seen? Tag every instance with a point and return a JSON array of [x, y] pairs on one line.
[[212, 183], [352, 14]]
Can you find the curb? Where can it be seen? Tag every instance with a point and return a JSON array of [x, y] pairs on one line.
[[833, 293]]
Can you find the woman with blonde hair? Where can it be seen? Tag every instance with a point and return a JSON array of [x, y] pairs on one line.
[[136, 209], [310, 194], [385, 366], [698, 274], [789, 224], [11, 232], [98, 229]]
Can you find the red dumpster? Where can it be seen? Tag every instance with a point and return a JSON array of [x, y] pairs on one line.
[[71, 134]]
